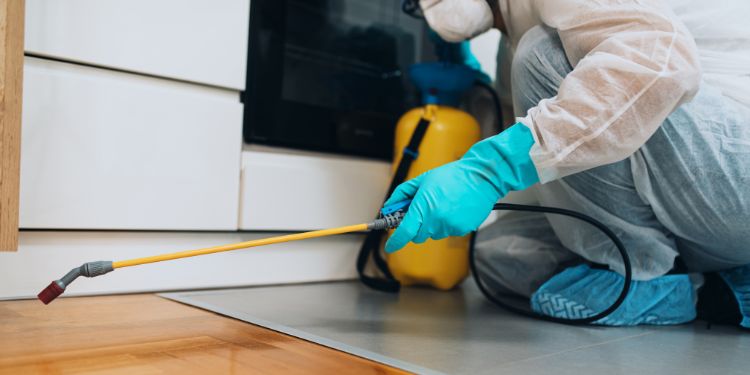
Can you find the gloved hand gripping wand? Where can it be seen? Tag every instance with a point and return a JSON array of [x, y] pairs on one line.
[[391, 217]]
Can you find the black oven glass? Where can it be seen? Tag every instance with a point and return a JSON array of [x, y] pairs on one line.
[[329, 74]]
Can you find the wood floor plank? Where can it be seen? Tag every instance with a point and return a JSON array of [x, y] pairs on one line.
[[145, 334]]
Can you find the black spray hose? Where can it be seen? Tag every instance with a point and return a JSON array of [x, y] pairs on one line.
[[558, 211], [495, 101], [549, 210]]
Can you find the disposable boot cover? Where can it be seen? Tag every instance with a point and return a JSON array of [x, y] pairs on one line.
[[582, 291]]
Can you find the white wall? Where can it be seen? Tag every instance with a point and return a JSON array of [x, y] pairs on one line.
[[484, 47]]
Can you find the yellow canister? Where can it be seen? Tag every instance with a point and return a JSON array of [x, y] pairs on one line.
[[443, 263]]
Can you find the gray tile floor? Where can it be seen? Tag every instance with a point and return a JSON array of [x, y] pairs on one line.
[[428, 331]]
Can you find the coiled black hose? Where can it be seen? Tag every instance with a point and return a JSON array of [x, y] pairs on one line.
[[549, 210], [558, 211]]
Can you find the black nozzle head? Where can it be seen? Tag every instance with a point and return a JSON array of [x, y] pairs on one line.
[[52, 291]]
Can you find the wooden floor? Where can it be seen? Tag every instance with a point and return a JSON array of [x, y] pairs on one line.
[[145, 334]]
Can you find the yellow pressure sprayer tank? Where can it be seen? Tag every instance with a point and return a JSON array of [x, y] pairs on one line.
[[443, 263]]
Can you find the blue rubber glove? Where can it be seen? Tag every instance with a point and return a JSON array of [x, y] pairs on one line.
[[454, 199]]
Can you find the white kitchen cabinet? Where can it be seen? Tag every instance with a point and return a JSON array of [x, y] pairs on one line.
[[111, 150], [44, 256], [297, 190], [201, 41]]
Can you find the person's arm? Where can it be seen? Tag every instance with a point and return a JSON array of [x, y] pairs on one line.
[[634, 63]]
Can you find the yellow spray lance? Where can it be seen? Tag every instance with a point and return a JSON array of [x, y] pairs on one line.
[[390, 218]]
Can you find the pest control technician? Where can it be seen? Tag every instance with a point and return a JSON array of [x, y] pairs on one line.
[[636, 113]]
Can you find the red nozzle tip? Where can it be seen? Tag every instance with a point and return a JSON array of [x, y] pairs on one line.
[[50, 293]]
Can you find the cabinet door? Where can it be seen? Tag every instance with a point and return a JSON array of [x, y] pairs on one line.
[[110, 150], [298, 190], [194, 40]]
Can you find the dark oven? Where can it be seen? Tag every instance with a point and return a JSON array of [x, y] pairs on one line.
[[328, 75]]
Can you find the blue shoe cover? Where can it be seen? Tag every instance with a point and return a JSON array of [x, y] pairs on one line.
[[581, 291], [738, 280]]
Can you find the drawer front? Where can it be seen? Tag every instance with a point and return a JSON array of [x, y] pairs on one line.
[[201, 41], [110, 150], [303, 191]]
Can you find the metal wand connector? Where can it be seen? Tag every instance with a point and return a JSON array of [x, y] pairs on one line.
[[389, 221]]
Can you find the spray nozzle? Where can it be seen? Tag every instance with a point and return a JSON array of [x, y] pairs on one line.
[[57, 287]]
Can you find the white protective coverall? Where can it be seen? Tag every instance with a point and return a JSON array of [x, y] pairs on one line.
[[632, 64]]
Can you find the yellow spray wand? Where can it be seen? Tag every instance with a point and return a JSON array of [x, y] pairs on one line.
[[240, 245], [391, 217]]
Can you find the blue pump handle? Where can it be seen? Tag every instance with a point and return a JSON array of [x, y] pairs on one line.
[[403, 205]]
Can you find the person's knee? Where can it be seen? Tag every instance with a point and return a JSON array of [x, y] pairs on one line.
[[539, 66], [608, 194]]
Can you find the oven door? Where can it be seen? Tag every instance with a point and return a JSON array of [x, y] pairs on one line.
[[328, 74]]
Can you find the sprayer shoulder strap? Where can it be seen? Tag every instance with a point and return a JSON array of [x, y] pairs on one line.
[[371, 244]]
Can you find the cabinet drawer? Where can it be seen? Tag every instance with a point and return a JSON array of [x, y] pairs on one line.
[[290, 190], [110, 150], [195, 40]]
